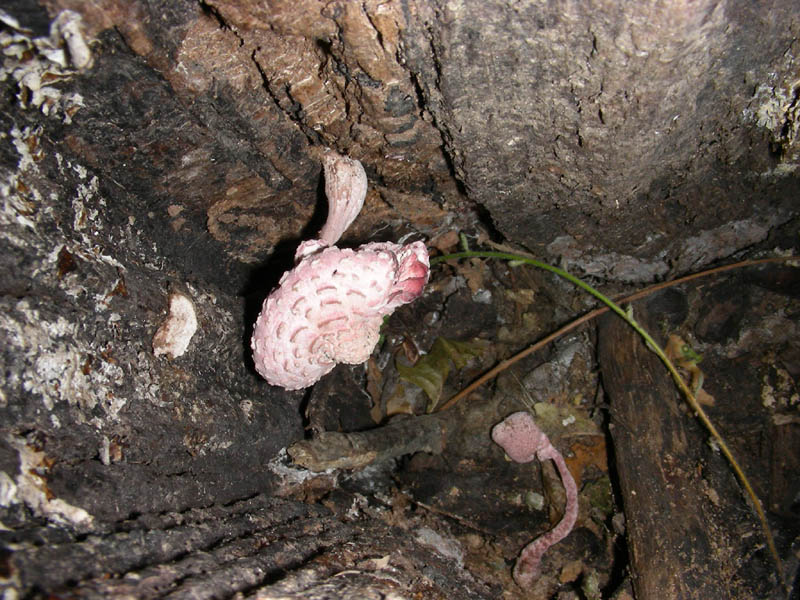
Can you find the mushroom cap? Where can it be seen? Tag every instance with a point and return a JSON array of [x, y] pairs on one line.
[[520, 437], [330, 308]]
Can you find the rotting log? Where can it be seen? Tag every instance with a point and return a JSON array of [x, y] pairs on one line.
[[688, 527]]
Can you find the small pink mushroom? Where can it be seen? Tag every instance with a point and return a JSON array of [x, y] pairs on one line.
[[523, 441], [330, 307]]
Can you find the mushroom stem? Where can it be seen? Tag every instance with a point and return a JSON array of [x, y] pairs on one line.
[[346, 189], [527, 567]]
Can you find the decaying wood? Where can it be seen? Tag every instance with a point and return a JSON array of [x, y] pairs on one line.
[[684, 514], [334, 450]]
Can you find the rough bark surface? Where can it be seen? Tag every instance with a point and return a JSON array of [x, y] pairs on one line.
[[604, 127], [243, 547], [631, 141]]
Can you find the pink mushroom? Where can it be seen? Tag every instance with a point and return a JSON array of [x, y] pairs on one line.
[[523, 441], [330, 307]]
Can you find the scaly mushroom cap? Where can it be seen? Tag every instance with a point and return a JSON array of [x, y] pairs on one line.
[[520, 437], [330, 307]]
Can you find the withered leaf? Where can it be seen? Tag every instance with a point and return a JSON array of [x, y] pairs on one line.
[[432, 369]]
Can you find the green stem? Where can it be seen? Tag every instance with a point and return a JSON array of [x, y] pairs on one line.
[[652, 345]]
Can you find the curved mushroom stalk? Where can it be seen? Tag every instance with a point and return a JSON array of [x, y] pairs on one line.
[[346, 189], [330, 307], [523, 441]]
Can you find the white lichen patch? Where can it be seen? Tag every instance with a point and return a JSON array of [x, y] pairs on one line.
[[38, 63], [767, 394], [775, 107], [778, 389], [20, 201], [289, 475], [246, 406], [25, 142], [175, 333], [446, 546], [58, 367], [29, 487], [606, 265], [779, 112], [23, 207]]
